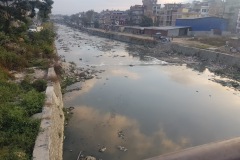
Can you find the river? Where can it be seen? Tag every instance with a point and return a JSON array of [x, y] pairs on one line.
[[144, 105]]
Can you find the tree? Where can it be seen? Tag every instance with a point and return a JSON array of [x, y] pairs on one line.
[[156, 22], [45, 8], [13, 11], [146, 21], [17, 11], [96, 24]]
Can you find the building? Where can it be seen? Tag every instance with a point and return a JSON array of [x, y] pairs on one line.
[[169, 31], [204, 25], [116, 17], [136, 14], [134, 29], [188, 13], [169, 14], [231, 13], [238, 22], [151, 31], [196, 5], [152, 9], [204, 11], [149, 5], [216, 8]]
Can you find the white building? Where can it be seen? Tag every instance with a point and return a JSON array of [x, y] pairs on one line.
[[238, 22], [204, 11]]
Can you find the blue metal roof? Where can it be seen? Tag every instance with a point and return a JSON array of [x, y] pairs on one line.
[[204, 24]]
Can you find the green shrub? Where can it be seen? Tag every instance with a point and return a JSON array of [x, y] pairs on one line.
[[11, 60], [33, 102], [40, 85], [26, 85]]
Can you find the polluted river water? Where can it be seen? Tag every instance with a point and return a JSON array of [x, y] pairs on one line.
[[140, 107]]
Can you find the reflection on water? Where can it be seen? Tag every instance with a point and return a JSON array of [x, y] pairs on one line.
[[158, 107], [101, 129]]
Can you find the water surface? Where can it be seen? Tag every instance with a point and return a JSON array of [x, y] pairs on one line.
[[155, 106]]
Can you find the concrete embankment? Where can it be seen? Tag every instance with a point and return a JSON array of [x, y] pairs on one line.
[[49, 143], [224, 150], [207, 55], [134, 39], [202, 54]]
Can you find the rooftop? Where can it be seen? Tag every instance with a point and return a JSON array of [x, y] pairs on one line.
[[167, 27], [158, 28], [200, 18]]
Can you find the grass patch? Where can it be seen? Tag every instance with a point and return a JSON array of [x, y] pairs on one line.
[[18, 130]]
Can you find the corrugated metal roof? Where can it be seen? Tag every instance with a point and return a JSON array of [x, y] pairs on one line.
[[167, 27], [134, 27], [189, 18], [158, 28]]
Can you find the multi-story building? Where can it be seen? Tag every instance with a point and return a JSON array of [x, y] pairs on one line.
[[156, 9], [238, 22], [196, 5], [169, 14], [136, 13], [118, 17], [231, 13], [188, 13], [148, 7], [112, 18], [216, 8], [152, 9], [204, 11]]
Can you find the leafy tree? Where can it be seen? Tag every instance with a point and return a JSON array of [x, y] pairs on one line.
[[13, 11], [88, 18], [146, 21], [96, 24], [17, 12], [45, 8]]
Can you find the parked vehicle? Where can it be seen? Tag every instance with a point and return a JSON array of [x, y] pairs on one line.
[[32, 28], [163, 39]]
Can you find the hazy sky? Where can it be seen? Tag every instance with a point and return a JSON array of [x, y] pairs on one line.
[[75, 6]]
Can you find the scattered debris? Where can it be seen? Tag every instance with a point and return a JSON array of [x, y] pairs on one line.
[[121, 148], [103, 149], [121, 134], [90, 158]]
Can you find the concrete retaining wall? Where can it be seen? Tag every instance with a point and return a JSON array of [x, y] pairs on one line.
[[207, 55], [224, 150], [49, 143], [122, 37]]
